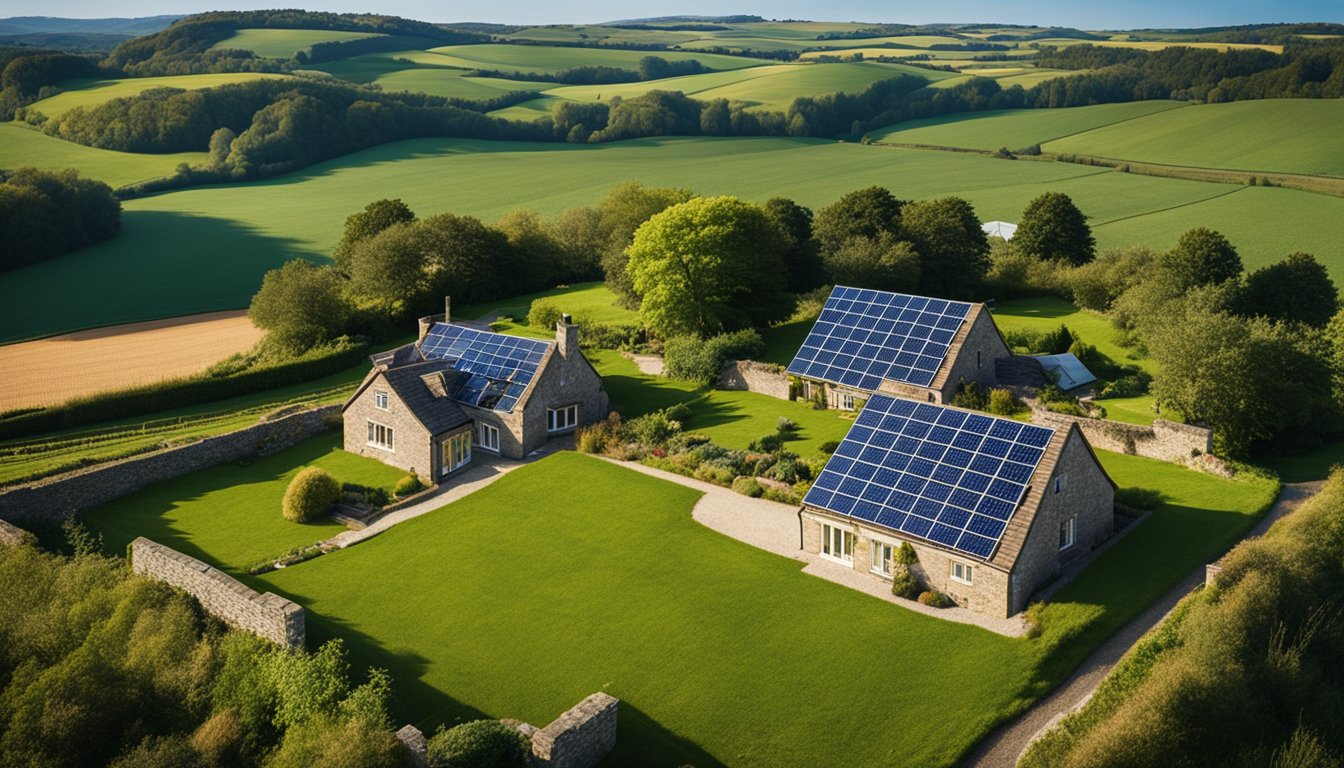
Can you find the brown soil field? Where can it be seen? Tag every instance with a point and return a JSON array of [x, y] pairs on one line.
[[53, 370]]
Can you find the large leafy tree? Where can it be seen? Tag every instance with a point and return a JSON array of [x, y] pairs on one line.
[[709, 265], [869, 213], [801, 262], [1052, 227], [624, 208], [953, 250], [1297, 289], [1201, 257], [362, 225], [881, 263], [300, 304]]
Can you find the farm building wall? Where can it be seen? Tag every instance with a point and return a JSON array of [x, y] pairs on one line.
[[1165, 440], [54, 498], [266, 615], [566, 379], [1085, 494], [751, 376], [412, 448]]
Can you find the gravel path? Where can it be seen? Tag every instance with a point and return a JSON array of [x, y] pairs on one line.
[[1002, 748]]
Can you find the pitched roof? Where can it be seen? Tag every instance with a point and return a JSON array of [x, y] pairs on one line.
[[1068, 368], [959, 480], [425, 389], [499, 368], [999, 229], [864, 337]]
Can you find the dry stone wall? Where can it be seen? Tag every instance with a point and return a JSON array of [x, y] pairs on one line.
[[266, 615], [581, 737], [1164, 440], [13, 535], [752, 376], [66, 494]]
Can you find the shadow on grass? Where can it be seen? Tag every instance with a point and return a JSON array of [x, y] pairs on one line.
[[634, 396]]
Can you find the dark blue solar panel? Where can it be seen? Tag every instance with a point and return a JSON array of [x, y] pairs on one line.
[[896, 469], [501, 366], [859, 332]]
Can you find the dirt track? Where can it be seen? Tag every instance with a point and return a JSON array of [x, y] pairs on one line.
[[53, 370]]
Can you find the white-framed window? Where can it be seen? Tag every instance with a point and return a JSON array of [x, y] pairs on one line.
[[807, 390], [843, 401], [487, 437], [561, 419], [837, 543], [1059, 483], [380, 400], [380, 436], [456, 452], [962, 572], [1068, 531], [881, 557]]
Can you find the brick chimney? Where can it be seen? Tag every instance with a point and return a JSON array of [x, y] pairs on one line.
[[566, 336]]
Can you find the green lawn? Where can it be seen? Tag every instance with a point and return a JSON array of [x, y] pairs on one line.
[[1309, 465], [21, 145], [591, 302], [91, 93], [206, 248], [230, 515], [1231, 135], [1015, 128], [284, 43]]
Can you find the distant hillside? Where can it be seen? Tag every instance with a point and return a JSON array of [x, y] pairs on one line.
[[74, 42], [30, 25]]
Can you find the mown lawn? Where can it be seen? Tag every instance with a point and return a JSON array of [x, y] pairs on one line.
[[230, 515], [587, 302]]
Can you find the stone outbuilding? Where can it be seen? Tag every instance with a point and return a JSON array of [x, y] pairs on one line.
[[992, 508], [459, 390]]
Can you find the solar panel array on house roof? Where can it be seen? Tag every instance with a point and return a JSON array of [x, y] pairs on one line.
[[500, 366], [863, 337], [941, 474]]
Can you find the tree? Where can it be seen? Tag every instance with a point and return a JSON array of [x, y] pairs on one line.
[[539, 255], [953, 250], [709, 265], [866, 213], [801, 261], [389, 270], [625, 207], [376, 217], [579, 235], [1201, 257], [466, 259], [880, 263], [1053, 228], [221, 143], [1297, 289], [300, 305], [44, 214]]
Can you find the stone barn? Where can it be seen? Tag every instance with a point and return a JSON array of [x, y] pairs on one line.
[[458, 390], [992, 507], [912, 346]]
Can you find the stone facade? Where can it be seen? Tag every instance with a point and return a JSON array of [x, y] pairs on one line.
[[413, 448], [1164, 440], [71, 492], [751, 376], [266, 615], [581, 737], [974, 359], [13, 535], [566, 378]]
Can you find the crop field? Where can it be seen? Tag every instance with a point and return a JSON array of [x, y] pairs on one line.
[[21, 145], [53, 370], [284, 43], [1015, 128], [205, 249], [1231, 135], [1157, 45], [91, 93]]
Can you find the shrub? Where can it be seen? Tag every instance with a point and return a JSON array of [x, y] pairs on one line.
[[689, 358], [1145, 499], [970, 395], [903, 582], [1066, 408], [781, 495], [1003, 402], [543, 313], [678, 412], [829, 447], [310, 494], [1131, 385], [407, 485], [767, 443], [1086, 353], [786, 426], [934, 598], [653, 429], [479, 744], [599, 436], [787, 470], [747, 486], [905, 554], [1056, 342]]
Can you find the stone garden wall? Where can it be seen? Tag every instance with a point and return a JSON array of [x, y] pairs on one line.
[[71, 492], [266, 615], [1164, 440], [13, 535], [749, 375]]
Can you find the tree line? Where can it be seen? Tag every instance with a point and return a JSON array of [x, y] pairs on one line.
[[25, 72], [44, 214], [649, 68]]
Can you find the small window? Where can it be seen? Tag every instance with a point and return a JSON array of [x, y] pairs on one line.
[[487, 437], [837, 543], [881, 556], [807, 391], [380, 400], [561, 419], [1067, 532], [380, 436], [977, 359], [843, 401], [963, 572], [1059, 483]]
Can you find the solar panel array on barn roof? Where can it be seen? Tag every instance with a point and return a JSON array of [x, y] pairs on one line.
[[500, 367], [864, 337], [941, 474]]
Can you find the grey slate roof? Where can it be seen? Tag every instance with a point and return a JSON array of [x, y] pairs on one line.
[[426, 389]]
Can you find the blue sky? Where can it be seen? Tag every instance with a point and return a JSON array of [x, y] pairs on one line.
[[1116, 14]]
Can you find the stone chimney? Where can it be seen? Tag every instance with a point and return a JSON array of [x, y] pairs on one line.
[[428, 322], [566, 336]]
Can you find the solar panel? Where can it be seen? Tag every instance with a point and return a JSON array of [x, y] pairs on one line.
[[862, 337], [500, 366], [941, 474]]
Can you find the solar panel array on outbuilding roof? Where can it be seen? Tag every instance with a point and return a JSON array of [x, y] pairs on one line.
[[500, 366], [863, 337], [941, 474], [1068, 369]]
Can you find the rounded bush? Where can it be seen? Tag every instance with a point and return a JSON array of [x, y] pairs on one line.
[[479, 743], [543, 314], [747, 486], [407, 485], [829, 447], [903, 583], [310, 494], [934, 598]]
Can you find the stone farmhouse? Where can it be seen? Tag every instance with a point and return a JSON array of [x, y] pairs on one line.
[[911, 346], [992, 507], [432, 405]]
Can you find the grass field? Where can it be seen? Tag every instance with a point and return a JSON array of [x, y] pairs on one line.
[[587, 302], [1157, 45], [284, 43], [1228, 136], [543, 58], [91, 93], [21, 145], [1015, 128], [230, 514], [206, 248]]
